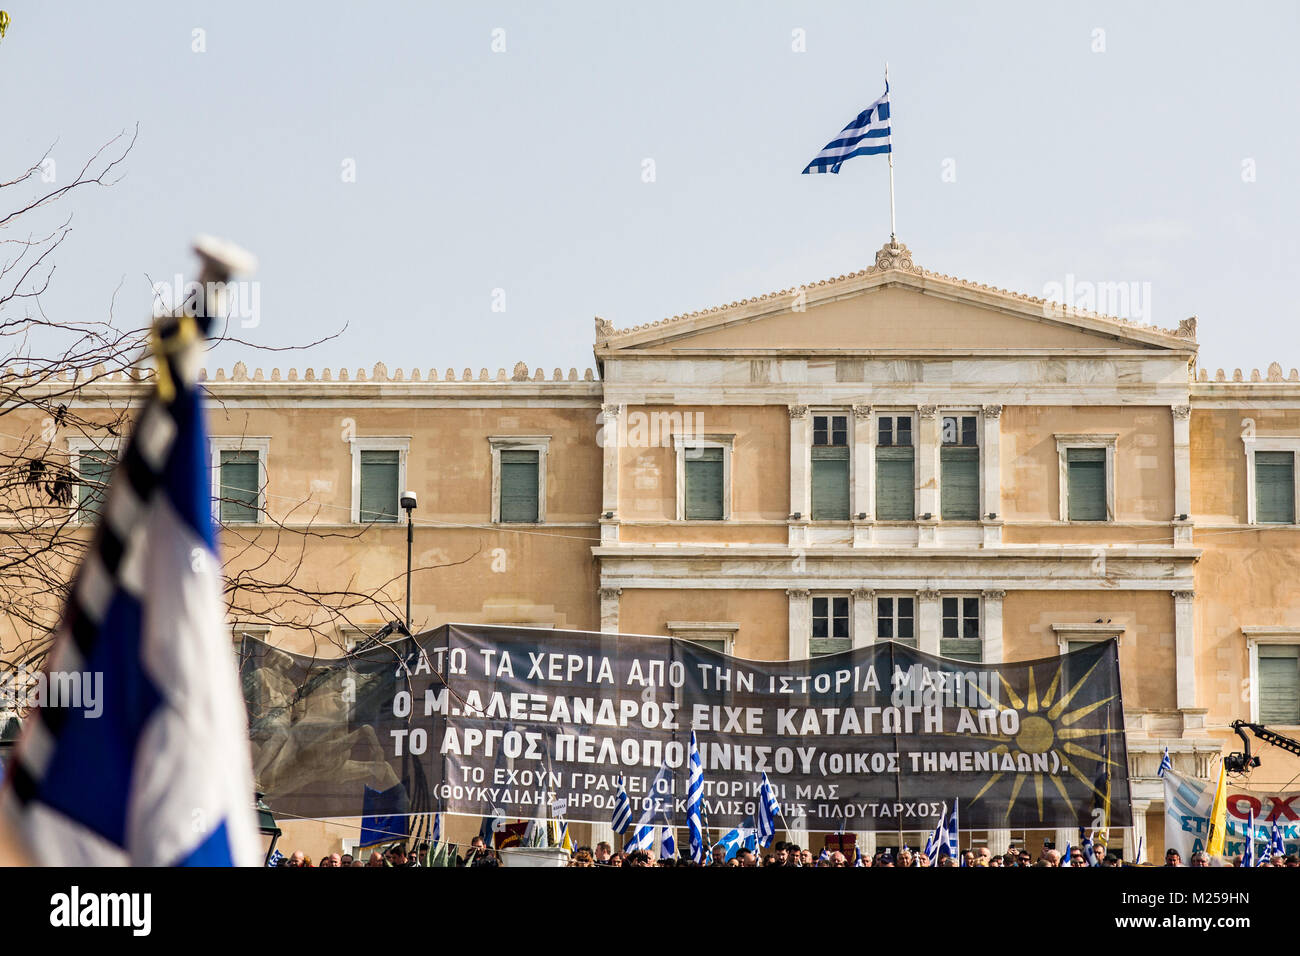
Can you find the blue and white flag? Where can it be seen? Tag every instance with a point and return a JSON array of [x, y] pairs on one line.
[[1248, 855], [1085, 841], [1274, 846], [622, 818], [769, 808], [643, 838], [435, 836], [1165, 764], [1065, 857], [953, 832], [938, 836], [158, 772], [667, 845], [867, 135], [276, 858], [741, 838], [695, 804]]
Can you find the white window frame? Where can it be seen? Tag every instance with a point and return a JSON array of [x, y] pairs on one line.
[[1063, 444], [724, 631], [1265, 634], [262, 445], [1274, 443], [846, 412], [914, 414], [812, 615], [538, 443], [894, 596], [77, 446], [1089, 633], [681, 445], [360, 443], [959, 412]]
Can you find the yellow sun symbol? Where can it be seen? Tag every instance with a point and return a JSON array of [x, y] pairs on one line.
[[1047, 727]]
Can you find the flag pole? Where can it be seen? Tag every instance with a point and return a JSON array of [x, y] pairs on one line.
[[892, 232]]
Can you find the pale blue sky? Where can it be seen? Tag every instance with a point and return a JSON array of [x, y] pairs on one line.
[[522, 170]]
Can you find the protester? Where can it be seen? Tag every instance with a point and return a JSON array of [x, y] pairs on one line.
[[1173, 857]]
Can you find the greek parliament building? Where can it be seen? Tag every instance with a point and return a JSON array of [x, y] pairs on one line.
[[894, 454]]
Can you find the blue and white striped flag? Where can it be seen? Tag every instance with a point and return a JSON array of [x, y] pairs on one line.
[[867, 135], [1248, 855], [660, 790], [695, 804], [1165, 764], [275, 859], [769, 808], [158, 774], [667, 845], [734, 841], [1273, 846], [953, 832], [435, 836], [622, 818], [938, 836]]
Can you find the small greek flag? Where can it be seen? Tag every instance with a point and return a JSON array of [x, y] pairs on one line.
[[1248, 855], [622, 818], [953, 831], [768, 810], [867, 135], [1065, 858], [667, 845], [938, 836], [1274, 845], [644, 837], [1165, 764], [275, 859], [695, 804], [435, 836]]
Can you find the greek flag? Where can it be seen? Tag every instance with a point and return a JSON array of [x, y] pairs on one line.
[[768, 810], [660, 786], [1274, 845], [1065, 857], [953, 832], [867, 135], [1165, 764], [435, 837], [1248, 855], [667, 845], [1085, 842], [275, 859], [160, 774], [695, 804], [938, 836], [622, 818], [734, 841]]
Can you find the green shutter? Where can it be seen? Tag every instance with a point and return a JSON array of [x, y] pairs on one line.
[[95, 468], [962, 649], [830, 483], [519, 485], [895, 485], [703, 484], [959, 484], [1086, 484], [241, 481], [1274, 487], [821, 646], [379, 485], [1279, 684]]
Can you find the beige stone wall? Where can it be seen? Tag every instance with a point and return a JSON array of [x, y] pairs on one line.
[[1144, 483], [762, 615]]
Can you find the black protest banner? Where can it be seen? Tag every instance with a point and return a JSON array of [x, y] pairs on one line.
[[525, 722]]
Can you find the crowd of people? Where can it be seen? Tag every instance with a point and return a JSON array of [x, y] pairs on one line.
[[780, 854]]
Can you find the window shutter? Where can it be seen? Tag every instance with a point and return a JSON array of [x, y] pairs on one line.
[[1274, 487], [241, 481], [830, 483], [959, 484], [894, 484], [704, 484], [821, 646], [379, 489], [962, 649], [519, 485], [1279, 684], [1086, 484], [95, 467]]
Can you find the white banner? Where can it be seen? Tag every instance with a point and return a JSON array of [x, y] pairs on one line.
[[1187, 817]]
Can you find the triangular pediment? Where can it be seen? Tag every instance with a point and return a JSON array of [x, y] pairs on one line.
[[892, 306]]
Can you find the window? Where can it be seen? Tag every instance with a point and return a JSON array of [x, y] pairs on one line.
[[703, 477], [519, 479], [895, 466], [239, 478], [830, 468], [1274, 487], [959, 469], [896, 619], [717, 636], [94, 469], [378, 478], [1087, 477], [960, 637], [830, 626], [1279, 684]]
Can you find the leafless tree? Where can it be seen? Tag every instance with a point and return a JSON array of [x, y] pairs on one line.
[[68, 391]]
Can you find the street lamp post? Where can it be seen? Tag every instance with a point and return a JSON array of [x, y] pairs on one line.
[[408, 504]]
